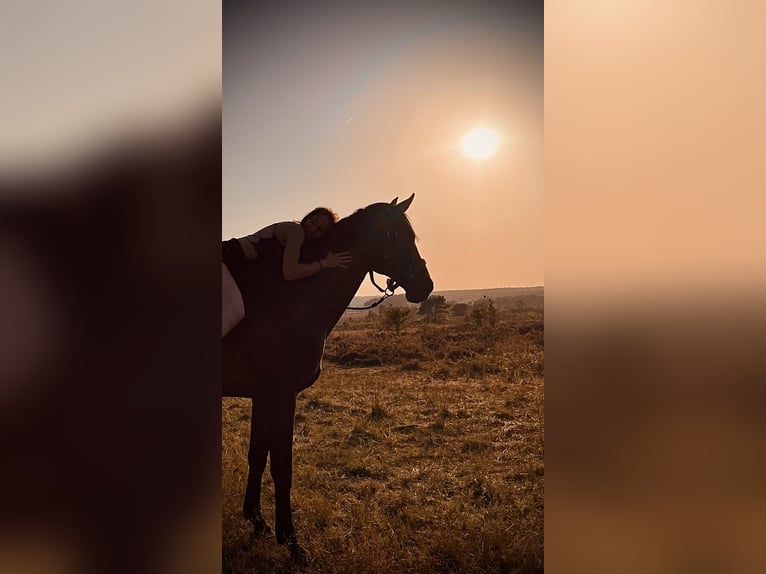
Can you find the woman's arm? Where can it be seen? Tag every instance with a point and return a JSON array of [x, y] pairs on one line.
[[292, 235]]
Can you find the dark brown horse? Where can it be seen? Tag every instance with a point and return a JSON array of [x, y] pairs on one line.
[[276, 351]]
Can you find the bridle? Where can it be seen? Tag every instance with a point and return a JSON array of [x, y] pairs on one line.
[[391, 284]]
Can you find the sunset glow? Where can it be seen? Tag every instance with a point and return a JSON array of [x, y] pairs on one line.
[[385, 101], [479, 143]]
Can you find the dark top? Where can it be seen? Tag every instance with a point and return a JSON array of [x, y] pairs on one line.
[[232, 254], [269, 249]]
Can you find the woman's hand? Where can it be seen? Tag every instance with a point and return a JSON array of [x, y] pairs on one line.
[[342, 259]]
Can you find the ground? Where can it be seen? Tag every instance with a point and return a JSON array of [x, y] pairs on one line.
[[416, 452]]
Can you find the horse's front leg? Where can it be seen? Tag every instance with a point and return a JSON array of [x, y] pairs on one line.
[[256, 459], [282, 473]]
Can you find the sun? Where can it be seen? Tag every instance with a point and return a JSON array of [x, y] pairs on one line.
[[479, 143]]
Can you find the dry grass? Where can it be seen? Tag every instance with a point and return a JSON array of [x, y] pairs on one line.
[[431, 461]]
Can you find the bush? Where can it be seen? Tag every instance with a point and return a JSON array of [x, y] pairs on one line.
[[434, 308], [460, 309], [393, 318]]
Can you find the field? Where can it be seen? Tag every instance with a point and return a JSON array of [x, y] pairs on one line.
[[416, 451]]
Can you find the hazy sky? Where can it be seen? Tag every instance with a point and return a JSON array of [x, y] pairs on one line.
[[343, 105]]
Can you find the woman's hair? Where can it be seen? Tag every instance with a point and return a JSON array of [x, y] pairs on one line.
[[321, 211]]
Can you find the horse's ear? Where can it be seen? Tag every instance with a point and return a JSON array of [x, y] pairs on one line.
[[395, 200], [406, 203]]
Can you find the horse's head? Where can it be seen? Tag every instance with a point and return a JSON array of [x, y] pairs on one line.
[[395, 252]]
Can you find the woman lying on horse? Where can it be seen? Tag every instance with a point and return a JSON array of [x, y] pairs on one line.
[[278, 240]]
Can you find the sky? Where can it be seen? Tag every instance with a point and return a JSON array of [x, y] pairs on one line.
[[345, 104]]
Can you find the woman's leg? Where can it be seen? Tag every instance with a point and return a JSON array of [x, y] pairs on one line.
[[232, 305]]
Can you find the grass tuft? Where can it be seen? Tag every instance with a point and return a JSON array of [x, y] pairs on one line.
[[378, 413]]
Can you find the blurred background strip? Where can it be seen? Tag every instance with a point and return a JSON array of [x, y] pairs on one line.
[[110, 181]]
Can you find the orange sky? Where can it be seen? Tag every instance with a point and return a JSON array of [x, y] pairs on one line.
[[343, 107]]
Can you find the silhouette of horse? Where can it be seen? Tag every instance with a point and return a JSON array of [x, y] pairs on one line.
[[276, 351]]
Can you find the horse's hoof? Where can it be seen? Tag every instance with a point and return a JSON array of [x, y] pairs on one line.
[[260, 528], [299, 556], [286, 538], [262, 532]]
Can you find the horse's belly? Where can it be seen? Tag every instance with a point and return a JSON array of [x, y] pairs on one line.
[[295, 362]]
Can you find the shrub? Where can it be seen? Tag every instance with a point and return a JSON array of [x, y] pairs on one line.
[[434, 308], [393, 318], [460, 309]]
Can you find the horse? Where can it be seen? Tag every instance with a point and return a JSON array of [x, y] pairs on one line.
[[276, 350]]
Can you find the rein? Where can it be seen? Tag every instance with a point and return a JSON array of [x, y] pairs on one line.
[[391, 286]]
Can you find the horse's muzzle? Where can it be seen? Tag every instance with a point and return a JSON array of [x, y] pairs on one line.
[[420, 287]]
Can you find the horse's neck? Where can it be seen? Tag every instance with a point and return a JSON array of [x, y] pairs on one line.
[[345, 283]]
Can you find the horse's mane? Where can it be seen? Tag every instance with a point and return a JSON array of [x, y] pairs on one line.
[[363, 221]]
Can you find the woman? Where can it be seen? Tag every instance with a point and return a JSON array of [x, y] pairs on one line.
[[285, 238]]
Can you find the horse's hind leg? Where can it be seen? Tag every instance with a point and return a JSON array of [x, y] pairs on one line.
[[281, 472], [256, 458]]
